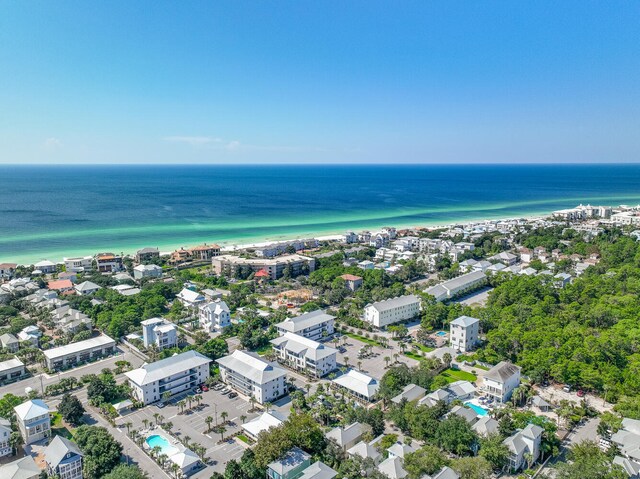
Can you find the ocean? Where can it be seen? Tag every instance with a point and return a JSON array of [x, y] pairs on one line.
[[48, 212]]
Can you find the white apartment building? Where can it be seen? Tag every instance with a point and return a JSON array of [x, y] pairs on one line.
[[390, 311], [78, 265], [11, 370], [501, 380], [33, 420], [250, 375], [5, 435], [63, 459], [306, 355], [174, 374], [147, 271], [463, 335], [214, 316], [79, 352], [160, 332], [316, 325], [275, 267]]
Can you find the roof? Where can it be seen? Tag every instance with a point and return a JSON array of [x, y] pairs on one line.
[[305, 321], [148, 250], [485, 426], [400, 449], [87, 286], [263, 422], [301, 345], [217, 306], [318, 470], [502, 371], [147, 267], [461, 388], [190, 296], [184, 458], [8, 338], [350, 277], [31, 409], [446, 473], [465, 321], [58, 448], [410, 392], [60, 284], [392, 468], [345, 435], [102, 340], [467, 414], [8, 265], [262, 273], [150, 373], [24, 468], [359, 383], [45, 262], [364, 450], [10, 364], [393, 303], [251, 366], [292, 459]]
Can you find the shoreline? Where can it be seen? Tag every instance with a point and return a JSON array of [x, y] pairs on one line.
[[230, 245]]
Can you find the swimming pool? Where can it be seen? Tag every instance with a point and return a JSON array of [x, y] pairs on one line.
[[163, 443], [441, 333], [480, 411]]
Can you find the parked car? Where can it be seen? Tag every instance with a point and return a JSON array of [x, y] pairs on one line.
[[580, 393], [198, 390], [567, 388], [233, 395], [205, 388]]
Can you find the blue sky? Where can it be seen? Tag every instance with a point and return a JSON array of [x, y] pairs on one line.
[[319, 81]]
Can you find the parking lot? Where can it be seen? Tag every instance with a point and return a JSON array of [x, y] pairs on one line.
[[374, 365], [192, 424]]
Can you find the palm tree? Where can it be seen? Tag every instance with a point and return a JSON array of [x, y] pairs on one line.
[[198, 399], [166, 396], [189, 400], [224, 415], [446, 359], [208, 420], [529, 458], [222, 430], [181, 405], [162, 459], [145, 422], [186, 440], [346, 361], [387, 359], [252, 400], [156, 416], [359, 365], [243, 418], [155, 451], [395, 357], [15, 441], [308, 388], [175, 468], [161, 418], [128, 426]]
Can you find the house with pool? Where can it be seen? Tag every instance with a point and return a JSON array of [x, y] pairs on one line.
[[501, 380], [174, 374], [187, 460]]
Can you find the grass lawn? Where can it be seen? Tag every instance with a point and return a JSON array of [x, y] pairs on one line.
[[363, 339], [57, 428], [484, 368], [243, 438], [452, 375], [56, 419], [413, 355], [424, 348], [266, 349]]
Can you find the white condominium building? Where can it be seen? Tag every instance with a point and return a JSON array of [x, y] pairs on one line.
[[464, 333], [316, 325], [307, 355], [214, 316], [80, 352], [160, 332], [252, 376], [392, 311], [33, 420], [174, 374]]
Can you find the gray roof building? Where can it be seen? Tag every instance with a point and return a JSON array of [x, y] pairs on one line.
[[24, 468], [61, 451]]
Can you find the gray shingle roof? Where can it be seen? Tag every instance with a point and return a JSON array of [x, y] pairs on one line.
[[502, 371], [58, 449]]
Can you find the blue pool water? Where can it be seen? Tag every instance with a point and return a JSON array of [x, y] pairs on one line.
[[162, 442], [441, 333], [478, 409]]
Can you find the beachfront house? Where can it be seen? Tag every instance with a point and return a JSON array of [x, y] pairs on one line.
[[501, 380], [146, 255], [108, 263], [463, 336], [79, 264]]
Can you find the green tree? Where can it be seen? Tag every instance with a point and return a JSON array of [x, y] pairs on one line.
[[71, 409], [587, 461], [494, 451], [124, 471], [102, 451], [454, 434], [425, 461], [472, 467]]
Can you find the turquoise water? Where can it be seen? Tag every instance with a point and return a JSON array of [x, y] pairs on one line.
[[478, 409], [162, 442], [441, 333], [56, 211]]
